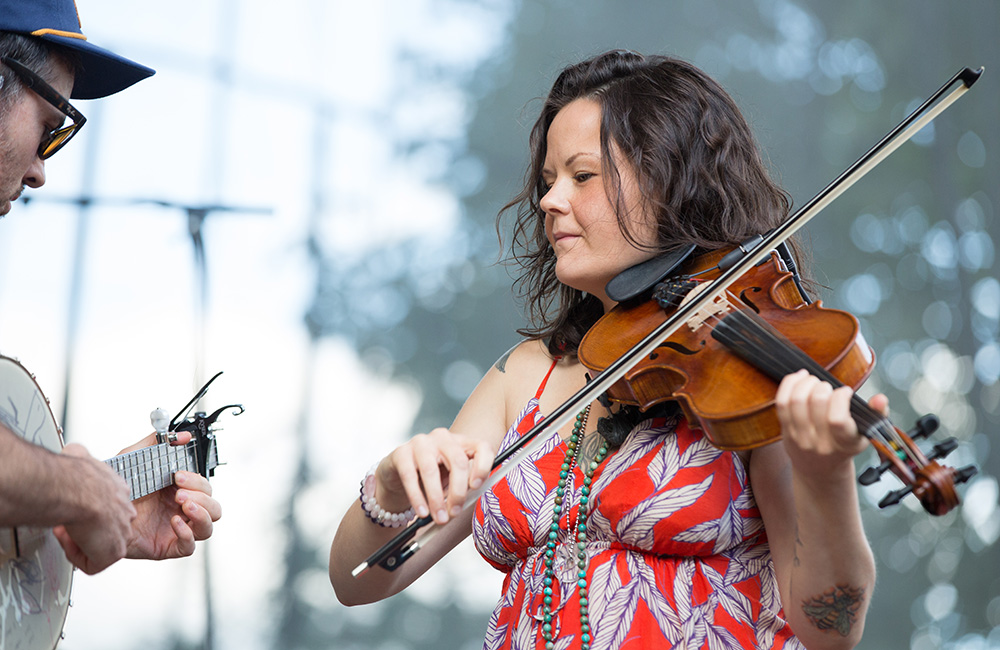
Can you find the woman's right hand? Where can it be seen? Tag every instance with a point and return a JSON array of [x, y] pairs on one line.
[[433, 472]]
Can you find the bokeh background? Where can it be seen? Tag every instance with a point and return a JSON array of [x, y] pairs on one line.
[[304, 197]]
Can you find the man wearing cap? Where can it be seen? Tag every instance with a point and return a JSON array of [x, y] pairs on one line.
[[45, 59]]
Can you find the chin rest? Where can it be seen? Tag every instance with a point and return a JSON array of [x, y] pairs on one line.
[[633, 282]]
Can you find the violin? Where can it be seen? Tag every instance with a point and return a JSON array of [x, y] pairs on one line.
[[724, 364], [921, 474]]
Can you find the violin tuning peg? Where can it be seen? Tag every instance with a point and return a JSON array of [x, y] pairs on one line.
[[870, 475], [925, 426], [892, 498], [964, 474], [943, 448], [874, 474]]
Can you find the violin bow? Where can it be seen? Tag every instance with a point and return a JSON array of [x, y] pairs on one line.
[[406, 543]]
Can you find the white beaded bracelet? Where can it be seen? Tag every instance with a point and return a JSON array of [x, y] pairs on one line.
[[377, 513]]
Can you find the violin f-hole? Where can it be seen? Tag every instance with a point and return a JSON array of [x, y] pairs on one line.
[[676, 347], [745, 299]]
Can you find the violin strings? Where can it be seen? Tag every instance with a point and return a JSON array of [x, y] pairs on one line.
[[751, 337], [777, 367], [872, 421]]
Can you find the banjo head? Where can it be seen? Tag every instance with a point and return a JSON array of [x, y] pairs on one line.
[[35, 576]]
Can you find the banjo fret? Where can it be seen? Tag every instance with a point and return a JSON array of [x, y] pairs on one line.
[[150, 469]]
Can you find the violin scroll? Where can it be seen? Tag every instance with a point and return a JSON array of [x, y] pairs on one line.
[[933, 484], [924, 427]]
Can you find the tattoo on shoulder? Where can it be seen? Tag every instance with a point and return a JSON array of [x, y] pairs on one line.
[[501, 363], [836, 609]]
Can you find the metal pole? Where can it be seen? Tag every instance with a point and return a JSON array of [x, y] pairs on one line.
[[90, 158], [224, 76]]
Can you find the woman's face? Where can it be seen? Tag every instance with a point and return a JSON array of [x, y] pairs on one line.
[[580, 220]]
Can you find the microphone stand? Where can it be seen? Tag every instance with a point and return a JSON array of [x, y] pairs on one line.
[[196, 216]]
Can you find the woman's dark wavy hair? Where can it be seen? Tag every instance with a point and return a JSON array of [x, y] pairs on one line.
[[695, 160]]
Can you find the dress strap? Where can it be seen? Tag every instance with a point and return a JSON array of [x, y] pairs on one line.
[[545, 380]]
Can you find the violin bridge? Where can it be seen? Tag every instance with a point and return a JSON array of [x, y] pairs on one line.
[[715, 309]]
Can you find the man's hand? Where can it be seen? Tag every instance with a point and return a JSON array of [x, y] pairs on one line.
[[170, 521], [99, 538]]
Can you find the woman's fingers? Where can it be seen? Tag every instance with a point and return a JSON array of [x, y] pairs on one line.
[[792, 402], [436, 471], [430, 458], [838, 415], [880, 403], [401, 462], [457, 459], [817, 418], [482, 463]]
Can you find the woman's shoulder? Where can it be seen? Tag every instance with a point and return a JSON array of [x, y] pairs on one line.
[[524, 358], [529, 366], [521, 370]]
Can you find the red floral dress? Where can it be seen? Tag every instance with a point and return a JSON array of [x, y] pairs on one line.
[[678, 557]]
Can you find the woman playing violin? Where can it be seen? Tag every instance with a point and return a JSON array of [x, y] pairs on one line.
[[653, 537]]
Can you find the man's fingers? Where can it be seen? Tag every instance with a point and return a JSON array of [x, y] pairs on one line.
[[183, 437], [186, 535], [76, 450], [205, 508], [75, 554], [193, 481]]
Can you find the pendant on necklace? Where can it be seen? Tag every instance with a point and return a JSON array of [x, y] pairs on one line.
[[589, 448], [566, 564]]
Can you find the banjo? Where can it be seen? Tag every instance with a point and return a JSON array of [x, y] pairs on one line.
[[35, 576]]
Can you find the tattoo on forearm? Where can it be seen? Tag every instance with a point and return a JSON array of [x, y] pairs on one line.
[[836, 609]]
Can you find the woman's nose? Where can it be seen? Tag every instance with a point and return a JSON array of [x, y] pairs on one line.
[[554, 201]]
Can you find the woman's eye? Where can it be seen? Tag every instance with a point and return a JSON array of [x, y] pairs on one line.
[[583, 177]]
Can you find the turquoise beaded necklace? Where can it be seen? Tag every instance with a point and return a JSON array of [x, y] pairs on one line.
[[572, 454]]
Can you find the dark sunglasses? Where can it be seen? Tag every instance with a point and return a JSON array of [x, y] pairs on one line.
[[54, 140]]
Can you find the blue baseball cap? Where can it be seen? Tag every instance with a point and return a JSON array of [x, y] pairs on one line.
[[101, 72]]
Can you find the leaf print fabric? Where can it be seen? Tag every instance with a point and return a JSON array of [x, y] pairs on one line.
[[677, 554]]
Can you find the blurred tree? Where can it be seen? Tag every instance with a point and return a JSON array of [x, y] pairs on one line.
[[910, 250]]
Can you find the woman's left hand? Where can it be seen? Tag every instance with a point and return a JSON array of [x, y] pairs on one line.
[[819, 433]]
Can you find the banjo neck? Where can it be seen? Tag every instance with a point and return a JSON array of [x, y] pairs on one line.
[[150, 469]]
